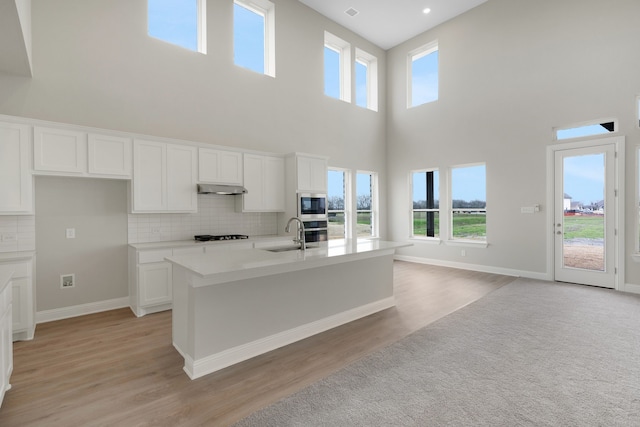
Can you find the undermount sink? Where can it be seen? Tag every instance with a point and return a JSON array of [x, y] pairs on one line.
[[284, 249]]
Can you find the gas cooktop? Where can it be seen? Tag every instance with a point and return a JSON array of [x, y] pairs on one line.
[[208, 237]]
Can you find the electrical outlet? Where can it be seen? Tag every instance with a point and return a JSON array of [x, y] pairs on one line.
[[67, 281], [8, 237], [155, 230], [71, 233], [463, 253]]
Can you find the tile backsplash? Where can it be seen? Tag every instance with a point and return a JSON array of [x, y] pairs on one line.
[[216, 215], [17, 233]]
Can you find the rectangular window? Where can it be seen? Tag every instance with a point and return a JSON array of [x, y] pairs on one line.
[[179, 22], [366, 204], [587, 129], [254, 36], [425, 208], [337, 68], [366, 80], [336, 197], [423, 75], [469, 203]]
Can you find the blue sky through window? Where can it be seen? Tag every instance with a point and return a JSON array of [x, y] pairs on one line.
[[581, 131], [584, 178], [361, 84], [424, 79], [469, 183], [174, 21], [420, 186], [249, 38], [331, 73]]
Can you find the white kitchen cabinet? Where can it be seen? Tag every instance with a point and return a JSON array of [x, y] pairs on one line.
[[23, 307], [164, 177], [219, 167], [311, 173], [264, 179], [59, 150], [6, 344], [155, 284], [16, 181], [109, 156]]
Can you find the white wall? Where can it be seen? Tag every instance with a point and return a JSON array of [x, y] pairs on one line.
[[511, 70]]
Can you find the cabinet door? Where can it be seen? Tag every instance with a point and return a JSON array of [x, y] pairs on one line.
[[59, 150], [274, 199], [16, 181], [254, 167], [21, 304], [312, 174], [149, 177], [109, 155], [219, 167], [154, 283], [181, 178], [6, 348]]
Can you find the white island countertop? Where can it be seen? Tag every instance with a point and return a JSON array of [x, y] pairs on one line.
[[240, 264]]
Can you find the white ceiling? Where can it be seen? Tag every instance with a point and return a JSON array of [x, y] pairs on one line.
[[388, 23]]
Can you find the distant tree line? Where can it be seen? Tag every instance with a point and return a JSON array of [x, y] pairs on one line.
[[457, 204], [336, 203]]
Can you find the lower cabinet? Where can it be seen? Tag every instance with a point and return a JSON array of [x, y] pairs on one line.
[[24, 305], [6, 338], [154, 282]]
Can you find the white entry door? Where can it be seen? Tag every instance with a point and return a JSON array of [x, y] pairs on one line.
[[585, 215]]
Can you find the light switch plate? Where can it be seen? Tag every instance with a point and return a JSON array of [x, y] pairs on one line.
[[71, 233], [527, 210]]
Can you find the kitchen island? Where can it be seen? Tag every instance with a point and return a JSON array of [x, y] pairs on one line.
[[233, 305]]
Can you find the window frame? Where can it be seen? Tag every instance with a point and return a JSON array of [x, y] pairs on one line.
[[451, 240], [201, 29], [266, 9], [413, 210], [415, 55], [343, 49], [371, 63], [599, 122], [346, 174], [375, 208]]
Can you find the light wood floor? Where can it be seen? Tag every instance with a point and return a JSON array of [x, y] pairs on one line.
[[112, 369]]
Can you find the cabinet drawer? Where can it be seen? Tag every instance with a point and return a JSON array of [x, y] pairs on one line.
[[228, 246], [189, 251], [5, 300], [159, 255]]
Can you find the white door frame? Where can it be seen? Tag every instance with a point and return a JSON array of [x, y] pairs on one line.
[[619, 143]]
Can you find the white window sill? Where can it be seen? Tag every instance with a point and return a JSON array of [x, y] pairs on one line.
[[636, 257], [426, 240], [466, 243]]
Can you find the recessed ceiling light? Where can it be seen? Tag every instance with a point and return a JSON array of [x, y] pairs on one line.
[[426, 10], [351, 12]]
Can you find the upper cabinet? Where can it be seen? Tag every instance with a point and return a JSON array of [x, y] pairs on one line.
[[16, 181], [219, 167], [68, 152], [311, 173], [164, 177], [109, 155], [265, 184]]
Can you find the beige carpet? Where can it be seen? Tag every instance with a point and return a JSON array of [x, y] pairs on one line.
[[531, 353]]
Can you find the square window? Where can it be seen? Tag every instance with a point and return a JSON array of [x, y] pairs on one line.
[[423, 75], [254, 36], [178, 22]]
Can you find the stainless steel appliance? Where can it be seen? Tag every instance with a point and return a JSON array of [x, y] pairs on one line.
[[315, 231], [312, 206]]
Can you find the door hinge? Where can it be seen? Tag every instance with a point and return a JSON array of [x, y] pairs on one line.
[[615, 232], [615, 193], [615, 270]]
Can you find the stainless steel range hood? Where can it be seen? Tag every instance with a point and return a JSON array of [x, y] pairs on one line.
[[231, 190]]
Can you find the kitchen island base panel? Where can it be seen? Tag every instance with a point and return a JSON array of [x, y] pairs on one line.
[[219, 325]]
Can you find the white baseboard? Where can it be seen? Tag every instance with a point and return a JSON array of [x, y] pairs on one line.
[[206, 365], [475, 267], [631, 288], [81, 310]]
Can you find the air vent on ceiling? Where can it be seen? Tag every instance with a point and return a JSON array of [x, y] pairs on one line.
[[351, 12]]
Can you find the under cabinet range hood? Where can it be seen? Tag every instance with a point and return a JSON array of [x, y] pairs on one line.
[[231, 190]]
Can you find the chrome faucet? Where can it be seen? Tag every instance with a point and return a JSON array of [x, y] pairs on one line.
[[301, 237]]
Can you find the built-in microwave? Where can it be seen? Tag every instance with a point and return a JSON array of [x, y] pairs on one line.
[[312, 206]]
